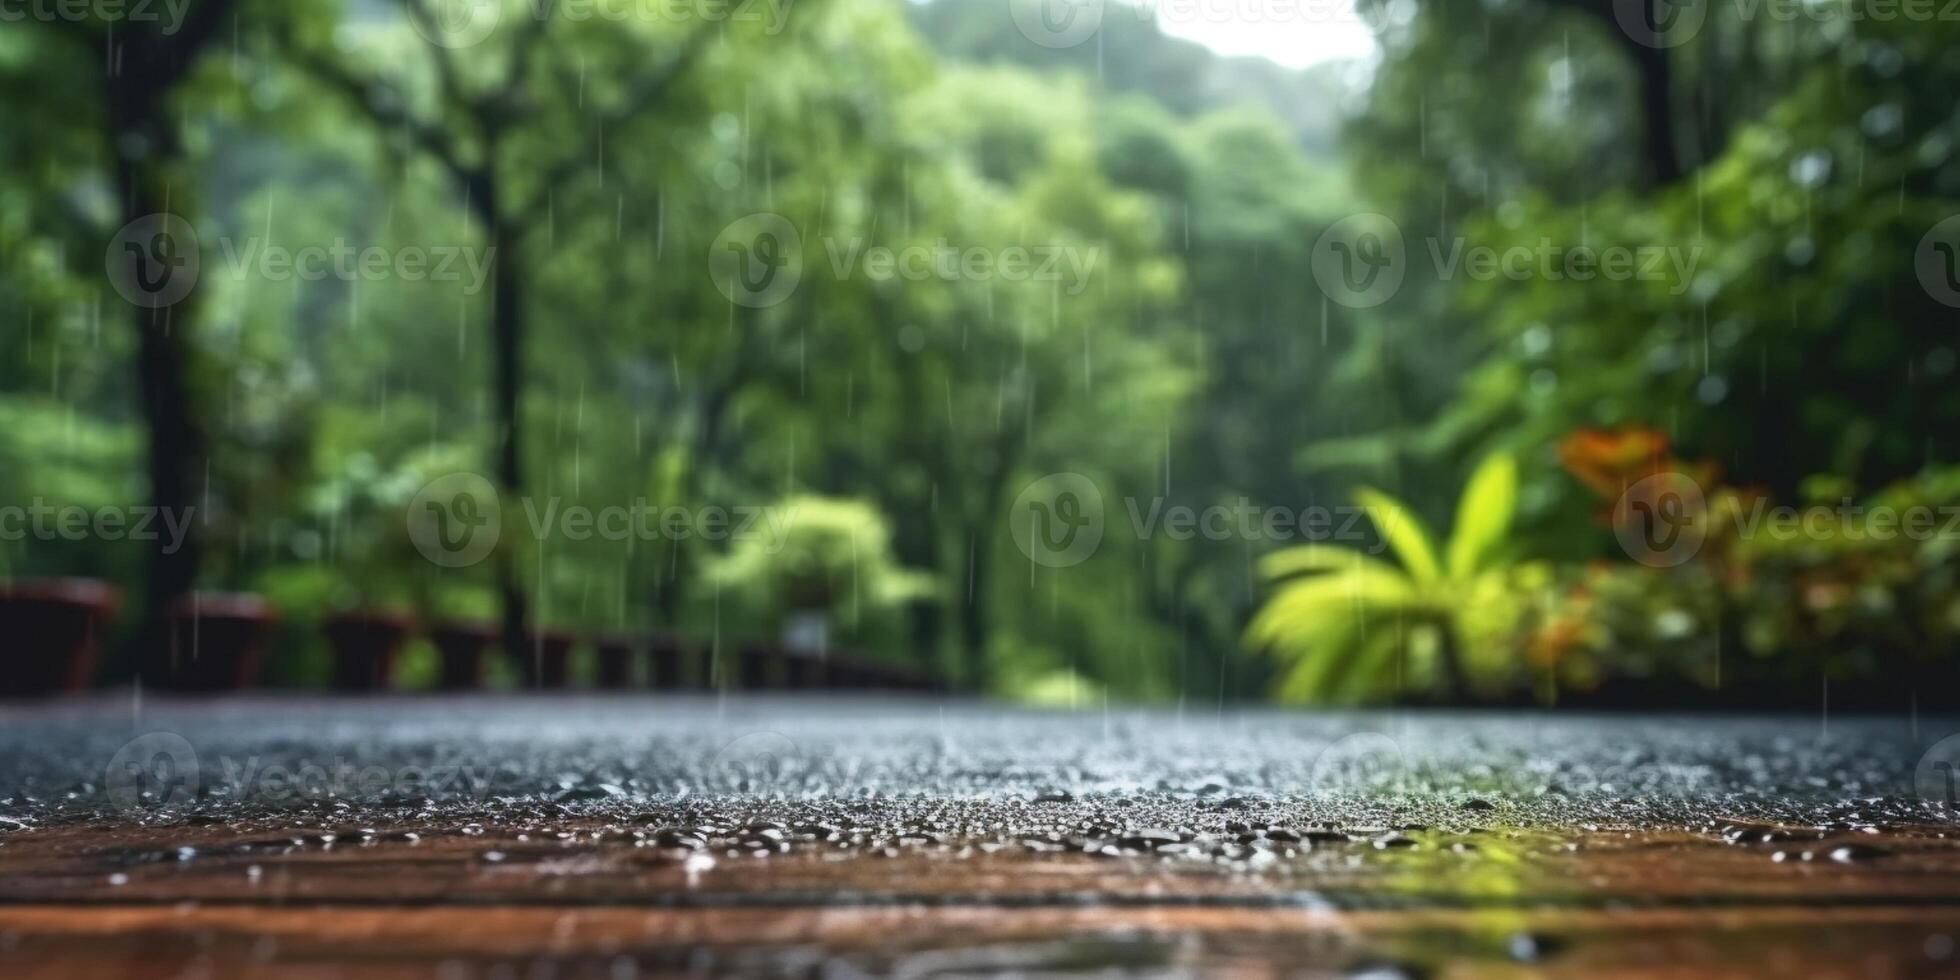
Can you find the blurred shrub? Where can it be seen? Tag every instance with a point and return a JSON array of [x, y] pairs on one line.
[[819, 554], [1354, 628]]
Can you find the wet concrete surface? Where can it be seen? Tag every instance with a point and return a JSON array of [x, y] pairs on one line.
[[618, 836]]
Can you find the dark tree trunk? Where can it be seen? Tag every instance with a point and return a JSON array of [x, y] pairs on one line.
[[140, 142], [918, 546], [972, 603], [1656, 74], [1450, 652], [927, 625], [1653, 88], [506, 345]]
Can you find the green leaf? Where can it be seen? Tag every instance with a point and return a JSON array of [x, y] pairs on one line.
[[1334, 653], [1404, 533], [1373, 677], [1318, 559], [1298, 619], [1483, 516]]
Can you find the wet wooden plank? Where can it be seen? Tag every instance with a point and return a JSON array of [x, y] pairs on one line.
[[167, 941], [620, 837], [589, 899]]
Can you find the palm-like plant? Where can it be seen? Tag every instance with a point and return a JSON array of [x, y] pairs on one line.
[[1356, 627]]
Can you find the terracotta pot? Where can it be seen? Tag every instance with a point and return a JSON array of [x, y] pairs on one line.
[[674, 664], [546, 660], [803, 671], [616, 651], [364, 648], [53, 631], [216, 642], [460, 647], [759, 667], [860, 674], [845, 673]]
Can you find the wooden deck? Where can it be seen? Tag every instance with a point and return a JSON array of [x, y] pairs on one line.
[[963, 884]]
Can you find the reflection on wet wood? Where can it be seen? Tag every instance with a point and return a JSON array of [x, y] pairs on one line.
[[149, 941], [602, 898]]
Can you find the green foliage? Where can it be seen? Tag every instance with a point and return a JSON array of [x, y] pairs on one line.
[[1194, 362], [1356, 628], [53, 456], [1848, 587], [810, 552]]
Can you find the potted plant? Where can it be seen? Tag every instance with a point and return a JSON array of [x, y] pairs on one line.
[[676, 664], [546, 660], [460, 645], [828, 576], [844, 672], [389, 573], [616, 652], [759, 666], [54, 627], [216, 642], [364, 644]]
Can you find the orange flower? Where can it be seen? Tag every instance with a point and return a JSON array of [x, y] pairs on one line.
[[1608, 460], [1555, 640]]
